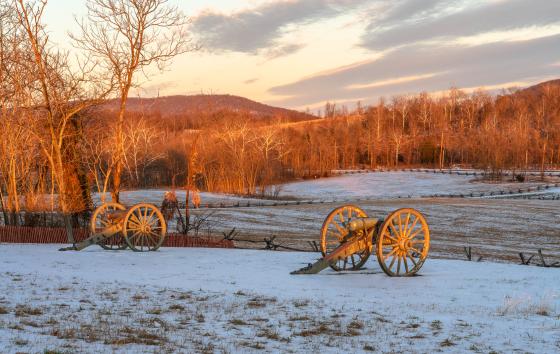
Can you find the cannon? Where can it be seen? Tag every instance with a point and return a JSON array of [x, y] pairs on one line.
[[348, 237], [114, 227]]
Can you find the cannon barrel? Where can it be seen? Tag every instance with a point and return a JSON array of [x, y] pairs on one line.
[[362, 224]]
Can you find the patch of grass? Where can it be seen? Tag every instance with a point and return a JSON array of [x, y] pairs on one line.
[[369, 348], [447, 343], [20, 342], [474, 348], [254, 345], [176, 307], [260, 301], [3, 310], [154, 311], [30, 323], [301, 303], [131, 335], [200, 317], [24, 310], [184, 296], [260, 319], [356, 324], [322, 329], [255, 304], [269, 334], [299, 318], [238, 322], [436, 325], [239, 293], [66, 333], [138, 297]]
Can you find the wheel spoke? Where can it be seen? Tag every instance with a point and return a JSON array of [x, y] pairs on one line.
[[411, 258], [391, 253], [405, 264], [392, 262], [394, 229], [386, 235], [341, 217], [412, 227], [340, 228], [399, 265], [407, 220], [415, 234], [133, 215], [400, 225]]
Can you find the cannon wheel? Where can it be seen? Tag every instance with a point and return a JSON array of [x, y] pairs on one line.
[[144, 228], [403, 243], [334, 233], [100, 221]]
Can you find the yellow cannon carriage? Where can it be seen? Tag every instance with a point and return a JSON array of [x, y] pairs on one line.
[[113, 227], [348, 237]]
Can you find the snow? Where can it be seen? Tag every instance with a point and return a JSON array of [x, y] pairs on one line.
[[155, 196], [380, 185], [377, 185], [214, 300]]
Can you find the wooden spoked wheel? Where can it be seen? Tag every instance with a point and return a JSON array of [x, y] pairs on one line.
[[101, 219], [403, 243], [335, 232], [144, 228]]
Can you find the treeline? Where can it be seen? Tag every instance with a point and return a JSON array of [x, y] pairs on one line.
[[516, 130], [58, 144]]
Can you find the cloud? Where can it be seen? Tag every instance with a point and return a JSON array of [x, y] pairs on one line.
[[255, 29], [282, 50], [402, 27], [431, 68], [250, 81]]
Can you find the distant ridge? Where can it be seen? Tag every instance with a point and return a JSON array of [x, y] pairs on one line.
[[540, 88], [206, 104]]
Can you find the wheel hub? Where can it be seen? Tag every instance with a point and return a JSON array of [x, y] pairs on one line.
[[404, 244]]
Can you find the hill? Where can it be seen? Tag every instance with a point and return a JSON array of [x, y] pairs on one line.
[[173, 106]]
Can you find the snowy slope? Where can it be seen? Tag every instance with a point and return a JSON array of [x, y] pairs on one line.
[[196, 300], [393, 184]]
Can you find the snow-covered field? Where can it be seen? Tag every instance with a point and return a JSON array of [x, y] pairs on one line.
[[383, 185], [378, 185], [210, 300], [496, 229], [155, 196]]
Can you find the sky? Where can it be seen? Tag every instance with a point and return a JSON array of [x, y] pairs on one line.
[[302, 53]]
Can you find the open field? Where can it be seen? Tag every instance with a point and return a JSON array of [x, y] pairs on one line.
[[496, 229], [201, 300]]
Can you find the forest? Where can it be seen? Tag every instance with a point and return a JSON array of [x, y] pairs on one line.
[[61, 143]]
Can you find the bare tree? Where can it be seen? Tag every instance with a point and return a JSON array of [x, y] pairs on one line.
[[139, 138], [129, 36], [60, 92]]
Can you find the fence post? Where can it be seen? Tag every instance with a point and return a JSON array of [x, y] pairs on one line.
[[69, 231]]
